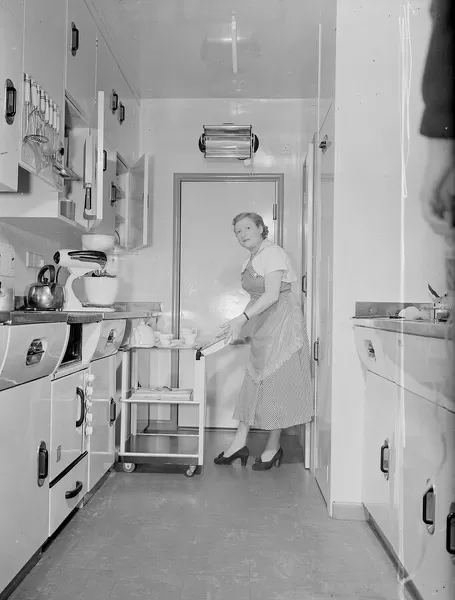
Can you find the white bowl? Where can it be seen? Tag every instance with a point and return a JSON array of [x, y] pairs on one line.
[[101, 291], [97, 241]]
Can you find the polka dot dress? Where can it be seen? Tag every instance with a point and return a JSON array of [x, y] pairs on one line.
[[277, 390]]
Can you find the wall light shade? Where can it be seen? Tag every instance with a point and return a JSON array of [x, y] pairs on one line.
[[228, 141]]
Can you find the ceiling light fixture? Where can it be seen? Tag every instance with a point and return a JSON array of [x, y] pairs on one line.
[[235, 66]]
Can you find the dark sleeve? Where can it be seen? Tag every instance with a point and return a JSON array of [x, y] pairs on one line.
[[437, 84]]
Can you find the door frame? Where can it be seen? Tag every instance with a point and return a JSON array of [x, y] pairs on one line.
[[179, 179]]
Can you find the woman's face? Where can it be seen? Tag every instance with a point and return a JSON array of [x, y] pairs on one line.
[[248, 234]]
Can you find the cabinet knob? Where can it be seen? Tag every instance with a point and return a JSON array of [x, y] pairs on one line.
[[10, 101], [121, 117], [385, 459], [450, 531], [114, 101], [428, 509]]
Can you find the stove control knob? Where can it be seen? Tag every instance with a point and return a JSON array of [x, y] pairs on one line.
[[88, 391], [90, 378], [89, 417], [88, 430]]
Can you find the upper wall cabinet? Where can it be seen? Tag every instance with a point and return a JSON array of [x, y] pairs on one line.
[[10, 86], [44, 43], [108, 80], [81, 36], [121, 109], [16, 9]]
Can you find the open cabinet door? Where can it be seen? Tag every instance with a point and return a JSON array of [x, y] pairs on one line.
[[138, 204]]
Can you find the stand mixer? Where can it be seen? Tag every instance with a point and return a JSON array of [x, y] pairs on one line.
[[79, 263]]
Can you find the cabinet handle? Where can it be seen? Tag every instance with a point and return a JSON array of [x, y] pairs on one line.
[[385, 457], [104, 160], [80, 393], [370, 349], [304, 284], [450, 531], [112, 411], [113, 197], [114, 101], [316, 351], [10, 101], [73, 493], [43, 464], [428, 509], [121, 117], [74, 39]]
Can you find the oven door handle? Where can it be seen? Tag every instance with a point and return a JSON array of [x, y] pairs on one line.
[[81, 395]]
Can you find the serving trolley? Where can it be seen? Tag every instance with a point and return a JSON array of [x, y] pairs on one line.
[[178, 446]]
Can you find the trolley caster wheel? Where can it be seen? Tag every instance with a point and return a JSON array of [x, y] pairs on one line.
[[128, 467], [190, 471]]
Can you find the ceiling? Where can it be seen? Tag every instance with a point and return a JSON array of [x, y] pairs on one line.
[[183, 48]]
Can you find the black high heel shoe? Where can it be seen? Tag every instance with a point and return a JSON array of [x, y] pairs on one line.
[[241, 454], [265, 466]]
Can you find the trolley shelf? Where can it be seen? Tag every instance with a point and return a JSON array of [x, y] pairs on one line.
[[145, 399], [164, 445]]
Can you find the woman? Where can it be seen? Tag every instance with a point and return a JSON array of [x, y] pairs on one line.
[[276, 391]]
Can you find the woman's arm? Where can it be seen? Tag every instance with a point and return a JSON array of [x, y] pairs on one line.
[[269, 297], [233, 328]]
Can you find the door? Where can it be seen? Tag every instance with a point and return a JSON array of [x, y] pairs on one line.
[[138, 203], [24, 496], [104, 411], [307, 287], [68, 412], [81, 57], [210, 286], [10, 106], [321, 331]]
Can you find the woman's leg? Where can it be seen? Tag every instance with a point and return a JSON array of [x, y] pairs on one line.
[[273, 443], [239, 440]]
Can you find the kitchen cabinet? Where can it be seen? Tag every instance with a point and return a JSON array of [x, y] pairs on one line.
[[128, 145], [101, 446], [380, 467], [108, 80], [10, 100], [24, 496], [44, 45], [138, 208], [81, 42], [68, 462], [428, 491]]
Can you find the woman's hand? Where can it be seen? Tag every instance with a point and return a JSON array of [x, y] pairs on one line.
[[233, 329]]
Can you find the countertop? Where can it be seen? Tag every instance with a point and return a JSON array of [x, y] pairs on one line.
[[31, 317], [417, 327]]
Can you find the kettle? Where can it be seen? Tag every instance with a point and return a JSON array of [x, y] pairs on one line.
[[46, 293]]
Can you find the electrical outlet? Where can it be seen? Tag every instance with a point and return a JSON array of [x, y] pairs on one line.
[[286, 149], [7, 256]]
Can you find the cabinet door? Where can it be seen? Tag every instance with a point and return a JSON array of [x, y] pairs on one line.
[[128, 145], [108, 77], [105, 174], [44, 45], [10, 92], [81, 34], [138, 203], [104, 411], [380, 474], [24, 498]]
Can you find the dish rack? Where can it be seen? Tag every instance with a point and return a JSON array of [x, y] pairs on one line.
[[139, 447]]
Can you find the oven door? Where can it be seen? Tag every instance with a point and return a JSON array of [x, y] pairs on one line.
[[68, 422]]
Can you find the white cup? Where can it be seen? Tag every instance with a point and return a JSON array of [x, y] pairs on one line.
[[165, 339], [189, 338]]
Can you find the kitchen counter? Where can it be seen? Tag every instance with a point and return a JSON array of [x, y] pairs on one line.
[[410, 327], [29, 317]]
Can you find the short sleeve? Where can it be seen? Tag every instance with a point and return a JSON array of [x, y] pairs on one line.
[[273, 259]]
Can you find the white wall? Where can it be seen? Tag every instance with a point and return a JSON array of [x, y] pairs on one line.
[[372, 218], [22, 242], [170, 130]]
